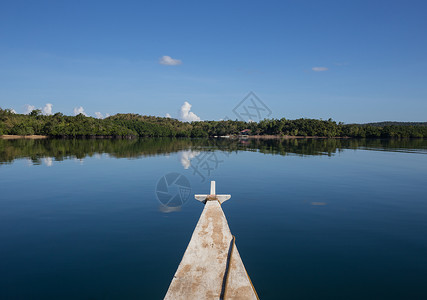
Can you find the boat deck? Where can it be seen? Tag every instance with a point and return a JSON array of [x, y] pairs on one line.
[[211, 267]]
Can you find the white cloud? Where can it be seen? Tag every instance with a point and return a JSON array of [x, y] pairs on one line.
[[319, 69], [28, 109], [29, 162], [168, 116], [99, 115], [47, 109], [169, 61], [13, 111], [48, 161], [186, 156], [186, 115], [79, 110]]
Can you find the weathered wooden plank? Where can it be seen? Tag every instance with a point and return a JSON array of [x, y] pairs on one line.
[[202, 273]]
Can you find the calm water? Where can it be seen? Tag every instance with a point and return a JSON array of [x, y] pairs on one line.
[[313, 219]]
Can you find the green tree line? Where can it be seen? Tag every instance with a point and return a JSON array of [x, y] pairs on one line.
[[134, 125]]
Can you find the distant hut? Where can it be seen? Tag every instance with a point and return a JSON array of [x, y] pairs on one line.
[[245, 132]]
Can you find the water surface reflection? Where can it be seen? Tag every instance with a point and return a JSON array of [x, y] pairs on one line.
[[50, 150]]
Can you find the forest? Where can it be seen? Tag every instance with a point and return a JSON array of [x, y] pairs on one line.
[[135, 125]]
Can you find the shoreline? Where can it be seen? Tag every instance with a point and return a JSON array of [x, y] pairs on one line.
[[28, 137], [233, 137], [266, 137], [288, 137]]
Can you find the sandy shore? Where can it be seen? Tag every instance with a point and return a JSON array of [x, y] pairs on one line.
[[30, 137]]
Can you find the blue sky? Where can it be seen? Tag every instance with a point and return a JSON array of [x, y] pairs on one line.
[[105, 56]]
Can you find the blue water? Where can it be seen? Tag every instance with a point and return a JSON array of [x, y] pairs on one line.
[[312, 219]]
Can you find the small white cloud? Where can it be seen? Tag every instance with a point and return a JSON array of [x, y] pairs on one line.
[[168, 116], [28, 109], [29, 162], [186, 156], [319, 69], [99, 115], [47, 109], [169, 61], [79, 110], [186, 115], [48, 161], [13, 111]]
